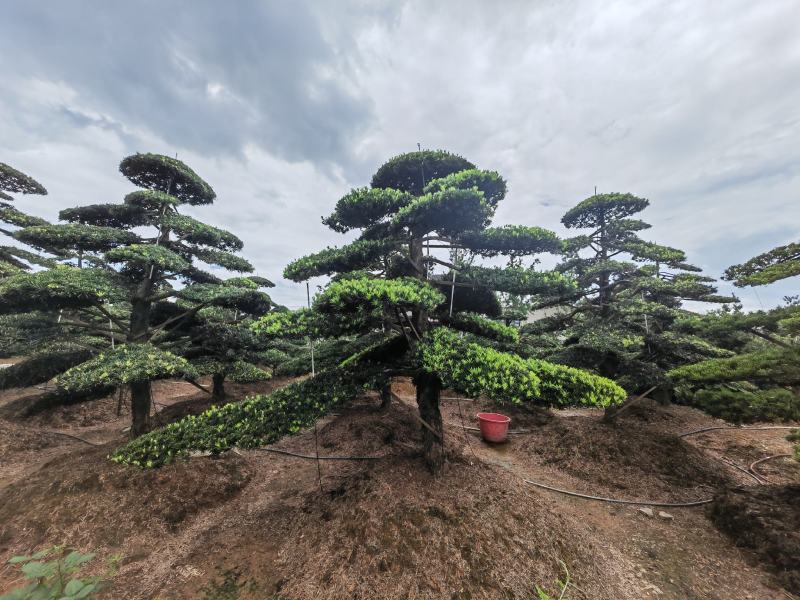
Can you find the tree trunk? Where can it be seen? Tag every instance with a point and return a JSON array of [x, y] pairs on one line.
[[428, 385], [218, 392], [386, 395], [140, 407], [429, 388]]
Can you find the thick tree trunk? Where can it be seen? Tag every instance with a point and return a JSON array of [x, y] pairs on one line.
[[218, 392], [429, 388], [428, 385], [140, 407], [386, 395]]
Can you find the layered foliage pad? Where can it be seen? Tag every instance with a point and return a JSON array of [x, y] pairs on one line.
[[474, 369], [62, 238], [249, 424], [118, 216], [779, 263], [41, 367], [125, 364], [353, 257], [17, 182], [748, 404], [510, 240], [480, 325], [59, 288], [165, 174], [364, 207], [780, 366], [519, 280]]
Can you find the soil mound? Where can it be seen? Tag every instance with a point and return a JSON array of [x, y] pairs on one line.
[[767, 520], [624, 456], [57, 501]]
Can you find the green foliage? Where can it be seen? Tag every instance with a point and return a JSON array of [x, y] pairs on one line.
[[228, 296], [60, 238], [411, 171], [61, 287], [779, 263], [150, 200], [238, 371], [479, 325], [56, 578], [510, 240], [17, 182], [489, 183], [226, 260], [195, 232], [364, 207], [779, 367], [603, 207], [120, 216], [123, 365], [144, 255], [166, 174], [474, 369], [255, 422], [449, 212], [41, 367], [296, 323], [349, 295], [361, 254], [11, 215], [748, 405], [518, 280]]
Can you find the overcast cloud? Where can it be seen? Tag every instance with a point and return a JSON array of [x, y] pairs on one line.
[[284, 106]]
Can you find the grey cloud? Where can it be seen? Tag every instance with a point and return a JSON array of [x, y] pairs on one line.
[[206, 76]]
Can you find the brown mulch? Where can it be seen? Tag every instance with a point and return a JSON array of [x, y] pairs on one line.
[[765, 519]]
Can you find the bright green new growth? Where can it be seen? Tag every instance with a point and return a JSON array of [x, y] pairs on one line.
[[474, 370], [780, 366], [123, 365], [255, 422], [480, 325]]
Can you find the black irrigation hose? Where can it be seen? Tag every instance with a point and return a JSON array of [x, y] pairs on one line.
[[738, 428], [74, 437], [312, 457], [618, 501]]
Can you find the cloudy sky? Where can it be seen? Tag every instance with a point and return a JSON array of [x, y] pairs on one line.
[[284, 106]]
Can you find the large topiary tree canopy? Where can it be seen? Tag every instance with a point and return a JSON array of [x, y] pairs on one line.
[[117, 300], [630, 292], [389, 312]]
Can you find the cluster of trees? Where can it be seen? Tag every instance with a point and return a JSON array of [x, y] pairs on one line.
[[118, 299], [111, 307]]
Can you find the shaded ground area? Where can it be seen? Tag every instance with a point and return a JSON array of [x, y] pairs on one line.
[[766, 519], [252, 524]]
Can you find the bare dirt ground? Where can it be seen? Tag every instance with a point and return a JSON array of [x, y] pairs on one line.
[[252, 524]]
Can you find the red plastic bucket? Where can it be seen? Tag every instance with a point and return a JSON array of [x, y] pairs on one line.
[[494, 426]]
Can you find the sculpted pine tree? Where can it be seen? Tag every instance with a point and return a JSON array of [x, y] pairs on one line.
[[13, 259], [761, 381], [392, 313], [631, 291], [119, 292]]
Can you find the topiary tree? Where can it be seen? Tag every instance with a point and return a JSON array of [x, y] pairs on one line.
[[631, 291], [12, 258], [395, 315], [220, 342], [125, 295], [762, 380]]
